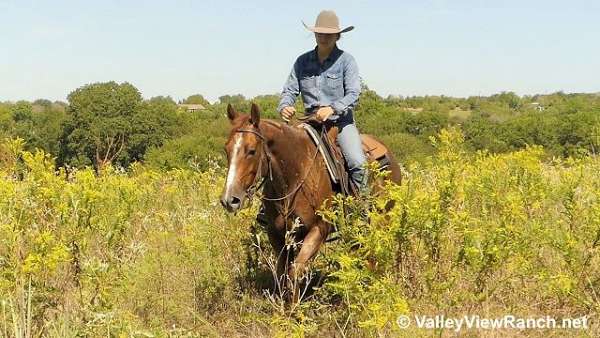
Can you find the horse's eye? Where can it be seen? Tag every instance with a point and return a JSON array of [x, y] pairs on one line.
[[251, 152]]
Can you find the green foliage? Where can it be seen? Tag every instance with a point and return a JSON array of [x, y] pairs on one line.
[[232, 99], [469, 234], [199, 143], [197, 99], [562, 135], [109, 123], [189, 151], [38, 123], [99, 128], [154, 121], [115, 254], [22, 111], [146, 252], [46, 128], [99, 124], [426, 123], [408, 148]]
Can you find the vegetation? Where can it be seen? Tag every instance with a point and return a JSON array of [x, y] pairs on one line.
[[111, 123], [499, 213]]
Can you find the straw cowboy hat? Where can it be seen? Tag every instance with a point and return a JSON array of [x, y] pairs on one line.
[[327, 23]]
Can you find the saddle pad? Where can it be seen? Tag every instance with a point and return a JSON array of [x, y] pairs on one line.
[[314, 135]]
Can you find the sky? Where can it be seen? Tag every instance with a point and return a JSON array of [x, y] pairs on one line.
[[179, 48]]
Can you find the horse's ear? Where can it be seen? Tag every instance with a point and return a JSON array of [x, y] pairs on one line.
[[255, 114], [231, 113]]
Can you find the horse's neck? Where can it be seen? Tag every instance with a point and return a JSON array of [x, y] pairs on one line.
[[288, 150]]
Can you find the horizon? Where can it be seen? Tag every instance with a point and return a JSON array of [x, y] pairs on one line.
[[177, 49], [215, 102]]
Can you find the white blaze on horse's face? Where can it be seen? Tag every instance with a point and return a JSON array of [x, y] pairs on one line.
[[234, 161], [232, 196]]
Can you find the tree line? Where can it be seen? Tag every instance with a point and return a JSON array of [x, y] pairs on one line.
[[111, 123]]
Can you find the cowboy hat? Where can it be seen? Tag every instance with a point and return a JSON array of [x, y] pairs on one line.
[[327, 23]]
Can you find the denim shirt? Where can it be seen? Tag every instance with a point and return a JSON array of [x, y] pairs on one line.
[[334, 83]]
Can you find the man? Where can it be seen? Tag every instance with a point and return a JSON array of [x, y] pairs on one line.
[[328, 80]]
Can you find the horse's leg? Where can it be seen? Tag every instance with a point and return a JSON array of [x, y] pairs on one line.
[[277, 240], [310, 246]]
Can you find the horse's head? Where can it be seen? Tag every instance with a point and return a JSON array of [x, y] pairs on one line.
[[245, 150]]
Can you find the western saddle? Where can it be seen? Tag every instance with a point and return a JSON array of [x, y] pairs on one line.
[[325, 140]]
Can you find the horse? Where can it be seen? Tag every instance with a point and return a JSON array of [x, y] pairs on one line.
[[285, 162]]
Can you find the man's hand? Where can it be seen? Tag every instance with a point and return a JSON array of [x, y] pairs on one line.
[[287, 113], [324, 113]]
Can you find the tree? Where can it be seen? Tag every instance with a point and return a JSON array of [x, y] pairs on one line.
[[47, 128], [99, 124], [22, 111], [235, 100], [43, 102], [22, 115], [155, 121], [197, 99]]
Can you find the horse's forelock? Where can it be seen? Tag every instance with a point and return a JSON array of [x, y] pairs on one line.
[[239, 122]]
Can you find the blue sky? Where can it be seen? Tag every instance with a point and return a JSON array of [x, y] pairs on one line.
[[179, 48]]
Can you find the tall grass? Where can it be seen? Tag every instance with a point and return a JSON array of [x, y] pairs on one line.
[[148, 253]]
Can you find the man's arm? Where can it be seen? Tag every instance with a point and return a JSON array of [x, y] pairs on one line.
[[291, 89]]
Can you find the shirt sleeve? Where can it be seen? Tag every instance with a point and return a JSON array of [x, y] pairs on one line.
[[351, 89], [291, 89]]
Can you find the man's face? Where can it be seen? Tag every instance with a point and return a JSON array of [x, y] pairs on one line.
[[326, 41]]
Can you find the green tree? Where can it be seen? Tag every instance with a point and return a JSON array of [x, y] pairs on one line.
[[46, 127], [6, 120], [237, 99], [155, 121], [197, 99], [101, 119], [22, 111], [42, 102]]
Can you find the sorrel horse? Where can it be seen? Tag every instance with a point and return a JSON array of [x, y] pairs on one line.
[[286, 163]]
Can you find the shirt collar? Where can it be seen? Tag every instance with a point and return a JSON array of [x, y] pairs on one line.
[[332, 55]]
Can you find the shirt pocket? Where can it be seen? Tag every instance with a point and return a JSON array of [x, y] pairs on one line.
[[334, 80], [308, 82]]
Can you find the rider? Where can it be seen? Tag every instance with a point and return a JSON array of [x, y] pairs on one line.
[[328, 80]]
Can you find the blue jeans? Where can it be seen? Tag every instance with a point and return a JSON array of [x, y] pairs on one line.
[[350, 143]]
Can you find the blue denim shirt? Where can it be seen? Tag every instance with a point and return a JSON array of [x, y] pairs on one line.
[[334, 83]]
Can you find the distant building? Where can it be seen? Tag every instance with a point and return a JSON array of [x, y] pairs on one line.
[[537, 106], [192, 107]]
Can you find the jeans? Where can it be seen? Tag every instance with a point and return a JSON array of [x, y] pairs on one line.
[[351, 145]]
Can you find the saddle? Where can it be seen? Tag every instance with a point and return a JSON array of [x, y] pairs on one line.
[[325, 140]]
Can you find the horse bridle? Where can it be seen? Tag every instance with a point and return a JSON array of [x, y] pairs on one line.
[[258, 183]]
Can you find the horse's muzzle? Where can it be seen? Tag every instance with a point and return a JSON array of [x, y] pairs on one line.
[[231, 203]]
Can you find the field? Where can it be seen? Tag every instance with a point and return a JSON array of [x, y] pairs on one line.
[[148, 253]]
